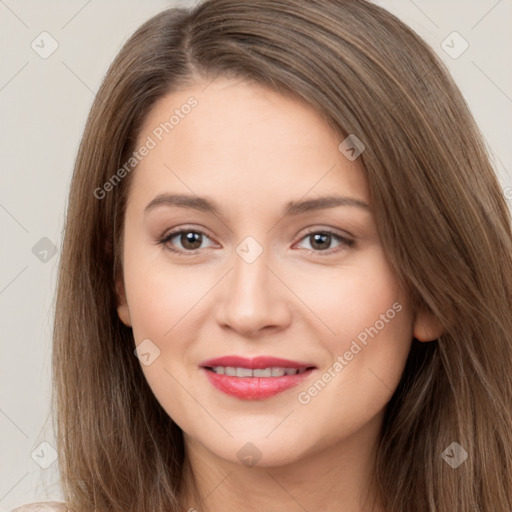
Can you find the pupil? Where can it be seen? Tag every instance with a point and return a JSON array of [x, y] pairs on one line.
[[190, 238], [323, 237]]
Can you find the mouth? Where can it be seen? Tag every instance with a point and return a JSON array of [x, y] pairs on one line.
[[274, 371], [257, 378]]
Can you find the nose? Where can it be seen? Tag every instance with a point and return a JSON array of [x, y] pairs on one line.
[[254, 299]]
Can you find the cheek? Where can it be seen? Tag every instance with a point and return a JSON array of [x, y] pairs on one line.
[[164, 302], [161, 301], [351, 299], [369, 338], [161, 294]]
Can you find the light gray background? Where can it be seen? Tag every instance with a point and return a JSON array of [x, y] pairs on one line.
[[43, 107]]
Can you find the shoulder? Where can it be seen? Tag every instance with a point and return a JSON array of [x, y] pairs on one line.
[[42, 506]]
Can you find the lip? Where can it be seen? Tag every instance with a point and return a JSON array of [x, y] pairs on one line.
[[255, 388], [255, 363]]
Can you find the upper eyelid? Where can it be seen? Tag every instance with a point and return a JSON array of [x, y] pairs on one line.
[[310, 230], [177, 231]]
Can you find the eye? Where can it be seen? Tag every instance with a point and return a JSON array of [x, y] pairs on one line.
[[320, 240], [190, 240]]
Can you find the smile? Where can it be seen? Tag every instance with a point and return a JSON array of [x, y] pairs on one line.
[[263, 372], [255, 379]]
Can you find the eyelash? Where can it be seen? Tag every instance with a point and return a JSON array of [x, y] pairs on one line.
[[343, 241]]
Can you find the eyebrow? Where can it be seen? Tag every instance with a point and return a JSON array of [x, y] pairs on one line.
[[292, 208]]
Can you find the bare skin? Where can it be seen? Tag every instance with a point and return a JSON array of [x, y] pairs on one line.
[[253, 151]]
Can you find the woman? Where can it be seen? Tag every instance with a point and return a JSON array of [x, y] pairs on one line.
[[209, 353]]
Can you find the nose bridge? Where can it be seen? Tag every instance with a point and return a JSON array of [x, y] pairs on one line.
[[252, 299], [250, 273], [250, 279]]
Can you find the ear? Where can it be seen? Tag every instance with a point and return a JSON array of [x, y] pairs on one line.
[[122, 305], [427, 327]]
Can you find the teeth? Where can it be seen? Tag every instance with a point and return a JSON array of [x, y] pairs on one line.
[[263, 372], [243, 372], [260, 372]]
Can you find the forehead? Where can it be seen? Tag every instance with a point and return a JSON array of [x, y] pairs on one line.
[[244, 138]]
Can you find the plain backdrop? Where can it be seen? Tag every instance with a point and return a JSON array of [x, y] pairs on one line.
[[44, 102]]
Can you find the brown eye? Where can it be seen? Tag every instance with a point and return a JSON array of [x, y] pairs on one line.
[[321, 240], [188, 240]]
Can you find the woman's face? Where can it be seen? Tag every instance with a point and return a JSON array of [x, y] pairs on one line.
[[276, 272]]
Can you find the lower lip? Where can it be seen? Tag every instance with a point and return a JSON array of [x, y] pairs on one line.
[[255, 388]]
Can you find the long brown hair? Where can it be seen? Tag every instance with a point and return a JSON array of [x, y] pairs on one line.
[[441, 215]]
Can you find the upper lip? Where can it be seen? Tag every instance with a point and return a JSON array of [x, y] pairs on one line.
[[254, 363]]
